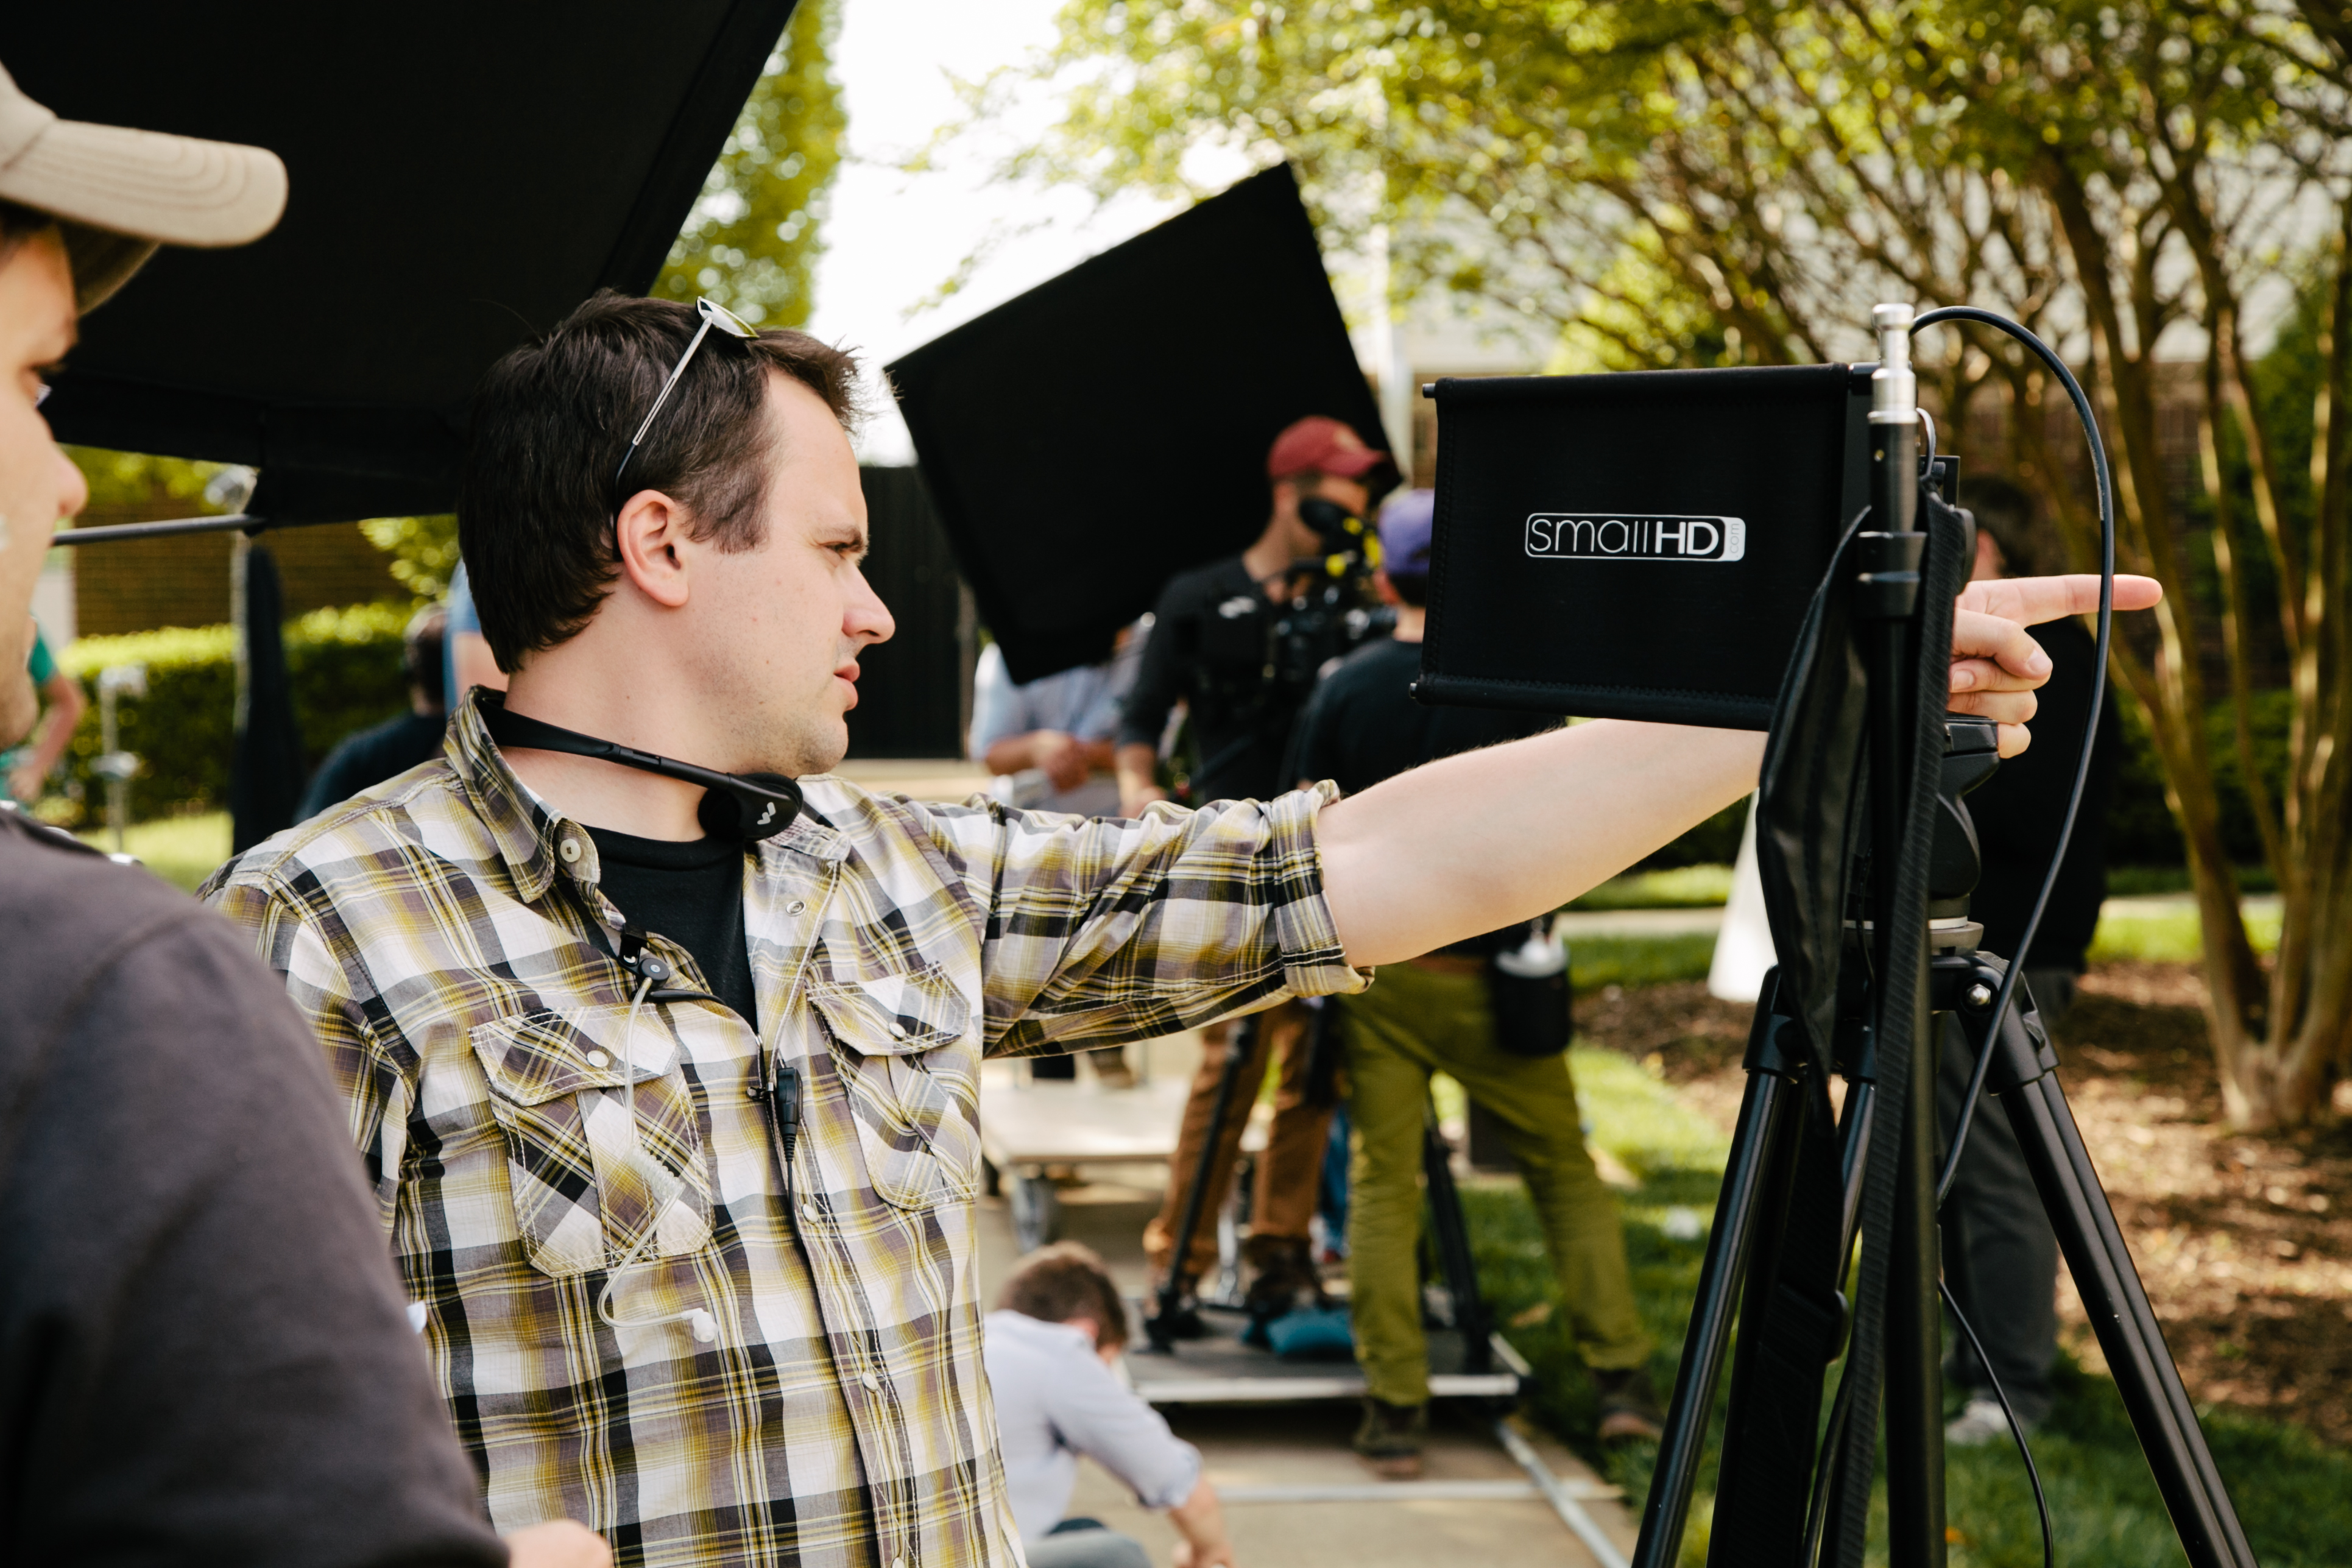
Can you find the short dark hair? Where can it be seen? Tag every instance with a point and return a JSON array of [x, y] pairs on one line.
[[551, 422], [1063, 1281], [423, 652], [2007, 512]]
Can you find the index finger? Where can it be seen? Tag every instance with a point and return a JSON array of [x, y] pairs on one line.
[[2030, 600]]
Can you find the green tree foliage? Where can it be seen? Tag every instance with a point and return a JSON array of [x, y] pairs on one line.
[[424, 551], [1693, 182], [346, 673], [754, 238], [1674, 183], [134, 478]]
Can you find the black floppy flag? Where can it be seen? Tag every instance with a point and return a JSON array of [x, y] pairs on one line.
[[1089, 439]]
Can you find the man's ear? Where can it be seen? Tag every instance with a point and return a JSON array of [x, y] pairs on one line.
[[651, 532]]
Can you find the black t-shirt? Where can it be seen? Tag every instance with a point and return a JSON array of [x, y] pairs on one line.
[[1211, 646], [1362, 726], [363, 760], [690, 892], [204, 1350], [2018, 812]]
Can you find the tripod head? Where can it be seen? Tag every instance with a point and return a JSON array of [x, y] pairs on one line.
[[1956, 861]]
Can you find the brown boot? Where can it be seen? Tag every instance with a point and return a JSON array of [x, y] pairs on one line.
[[1285, 1280], [1390, 1438], [1629, 1407]]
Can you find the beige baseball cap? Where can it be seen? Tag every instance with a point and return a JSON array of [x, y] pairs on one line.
[[117, 193]]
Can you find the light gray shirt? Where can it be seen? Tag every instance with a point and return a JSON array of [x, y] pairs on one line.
[[1055, 1400], [1082, 701]]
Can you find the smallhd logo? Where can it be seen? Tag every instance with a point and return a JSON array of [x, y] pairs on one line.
[[1597, 536]]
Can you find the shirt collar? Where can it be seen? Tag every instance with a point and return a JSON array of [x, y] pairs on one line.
[[531, 838], [524, 831]]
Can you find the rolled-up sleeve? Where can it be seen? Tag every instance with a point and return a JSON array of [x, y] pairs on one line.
[[1104, 931]]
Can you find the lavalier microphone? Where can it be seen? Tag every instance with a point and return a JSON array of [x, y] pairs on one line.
[[747, 807]]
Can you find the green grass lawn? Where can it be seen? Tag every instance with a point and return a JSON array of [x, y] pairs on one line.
[[182, 851], [2293, 1495], [1683, 887], [2160, 935], [1639, 959], [2171, 935]]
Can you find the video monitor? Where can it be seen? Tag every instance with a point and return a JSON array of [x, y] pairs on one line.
[[1637, 545]]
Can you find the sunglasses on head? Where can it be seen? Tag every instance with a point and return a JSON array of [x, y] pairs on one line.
[[713, 314]]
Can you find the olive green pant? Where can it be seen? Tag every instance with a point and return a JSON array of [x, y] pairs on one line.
[[1412, 1023]]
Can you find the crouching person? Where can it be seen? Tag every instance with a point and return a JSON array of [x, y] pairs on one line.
[[1052, 1347]]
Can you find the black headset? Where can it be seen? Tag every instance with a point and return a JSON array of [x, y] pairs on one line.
[[749, 807]]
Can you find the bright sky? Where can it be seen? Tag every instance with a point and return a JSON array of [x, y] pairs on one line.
[[892, 238]]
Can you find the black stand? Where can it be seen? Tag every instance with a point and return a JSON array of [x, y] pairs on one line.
[[1165, 1325], [1800, 1187], [1451, 1232]]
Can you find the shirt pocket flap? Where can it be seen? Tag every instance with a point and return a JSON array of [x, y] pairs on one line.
[[539, 1057], [894, 1015]]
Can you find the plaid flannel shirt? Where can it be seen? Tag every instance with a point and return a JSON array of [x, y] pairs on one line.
[[445, 936]]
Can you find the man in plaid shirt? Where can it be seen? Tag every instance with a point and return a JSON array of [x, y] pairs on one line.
[[696, 1265]]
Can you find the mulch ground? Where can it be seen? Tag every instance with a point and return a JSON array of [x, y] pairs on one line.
[[2244, 1240]]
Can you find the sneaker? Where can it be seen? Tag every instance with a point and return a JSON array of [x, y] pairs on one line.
[[1390, 1438], [1629, 1405], [1981, 1421]]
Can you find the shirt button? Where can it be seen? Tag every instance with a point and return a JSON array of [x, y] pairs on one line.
[[873, 1384], [569, 849], [599, 1059], [808, 1211], [798, 906]]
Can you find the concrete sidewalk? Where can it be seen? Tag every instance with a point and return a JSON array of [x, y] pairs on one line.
[[1476, 1507]]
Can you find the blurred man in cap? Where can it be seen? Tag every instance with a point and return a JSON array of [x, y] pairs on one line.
[[205, 1354], [1213, 649]]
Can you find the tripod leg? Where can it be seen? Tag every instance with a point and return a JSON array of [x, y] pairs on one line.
[[1767, 1101], [1790, 1321], [2025, 1075], [1161, 1327], [1915, 1321], [1453, 1235]]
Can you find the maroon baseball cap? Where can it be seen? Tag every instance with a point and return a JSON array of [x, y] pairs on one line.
[[1320, 444]]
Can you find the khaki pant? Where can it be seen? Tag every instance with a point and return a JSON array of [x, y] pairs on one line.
[[1413, 1022], [1288, 1172]]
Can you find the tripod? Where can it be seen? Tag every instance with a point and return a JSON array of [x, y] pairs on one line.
[[1869, 971]]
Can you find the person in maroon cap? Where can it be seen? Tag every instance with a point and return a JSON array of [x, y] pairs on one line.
[[1212, 647]]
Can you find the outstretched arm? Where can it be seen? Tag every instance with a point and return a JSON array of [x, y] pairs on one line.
[[1477, 841]]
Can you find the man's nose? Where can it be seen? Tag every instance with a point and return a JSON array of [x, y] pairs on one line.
[[868, 618], [73, 490]]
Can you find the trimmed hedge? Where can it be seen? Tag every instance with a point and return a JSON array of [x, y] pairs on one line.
[[345, 665]]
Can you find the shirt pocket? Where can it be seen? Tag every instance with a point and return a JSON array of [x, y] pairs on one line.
[[584, 1189], [911, 1080]]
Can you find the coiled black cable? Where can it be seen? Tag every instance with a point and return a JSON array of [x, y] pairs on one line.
[[2089, 723], [2006, 997]]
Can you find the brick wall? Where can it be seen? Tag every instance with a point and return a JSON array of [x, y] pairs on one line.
[[184, 581]]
